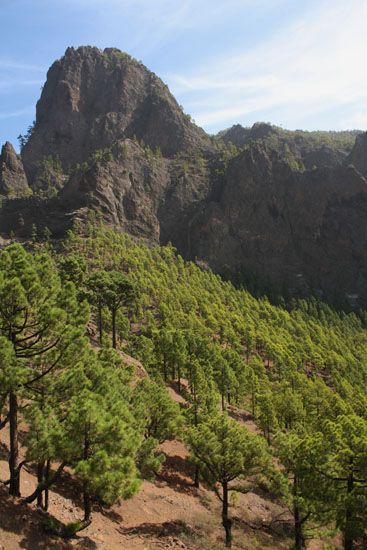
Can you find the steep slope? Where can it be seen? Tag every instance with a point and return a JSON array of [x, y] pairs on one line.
[[358, 155], [139, 191], [304, 229], [13, 181], [92, 98], [308, 149]]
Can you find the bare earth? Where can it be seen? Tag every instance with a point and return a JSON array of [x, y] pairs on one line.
[[169, 513]]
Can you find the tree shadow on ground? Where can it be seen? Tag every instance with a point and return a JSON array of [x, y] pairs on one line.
[[20, 519], [178, 473], [159, 530]]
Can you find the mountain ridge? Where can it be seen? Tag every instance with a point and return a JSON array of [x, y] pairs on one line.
[[109, 137]]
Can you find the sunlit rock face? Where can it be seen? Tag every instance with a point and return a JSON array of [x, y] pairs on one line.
[[13, 181], [288, 208]]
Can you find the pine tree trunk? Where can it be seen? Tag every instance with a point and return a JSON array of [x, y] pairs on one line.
[[14, 486], [196, 477], [298, 538], [226, 521], [86, 496], [253, 404], [47, 476], [348, 534], [100, 328], [87, 505], [40, 480], [114, 343], [45, 485], [165, 368], [179, 379]]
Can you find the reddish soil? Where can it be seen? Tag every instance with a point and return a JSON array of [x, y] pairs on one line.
[[168, 513]]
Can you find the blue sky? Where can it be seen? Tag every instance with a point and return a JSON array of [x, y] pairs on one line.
[[296, 63]]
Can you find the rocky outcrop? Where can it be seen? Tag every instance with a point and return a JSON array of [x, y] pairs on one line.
[[93, 98], [124, 184], [140, 191], [305, 230], [288, 208], [13, 181], [307, 149], [358, 155]]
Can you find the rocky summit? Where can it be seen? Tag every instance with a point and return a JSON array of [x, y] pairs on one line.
[[13, 181], [287, 208]]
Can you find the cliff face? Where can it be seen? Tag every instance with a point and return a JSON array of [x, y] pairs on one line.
[[308, 149], [287, 207], [304, 229], [13, 181], [358, 155], [93, 98]]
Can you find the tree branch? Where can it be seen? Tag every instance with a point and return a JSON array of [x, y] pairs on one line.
[[45, 485]]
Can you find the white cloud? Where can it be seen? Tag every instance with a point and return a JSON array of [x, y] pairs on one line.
[[313, 65], [17, 113], [154, 23], [7, 84], [17, 66]]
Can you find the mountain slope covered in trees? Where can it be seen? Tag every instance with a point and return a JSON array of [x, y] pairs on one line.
[[300, 373]]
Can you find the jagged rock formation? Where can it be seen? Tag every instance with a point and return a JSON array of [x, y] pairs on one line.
[[139, 191], [93, 98], [358, 155], [13, 181], [290, 208], [302, 230], [307, 149]]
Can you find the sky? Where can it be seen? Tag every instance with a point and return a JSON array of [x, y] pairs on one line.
[[294, 63]]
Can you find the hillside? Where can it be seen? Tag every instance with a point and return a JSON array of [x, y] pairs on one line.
[[309, 149], [285, 209], [282, 389]]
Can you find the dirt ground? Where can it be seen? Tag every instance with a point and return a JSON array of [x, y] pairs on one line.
[[166, 513]]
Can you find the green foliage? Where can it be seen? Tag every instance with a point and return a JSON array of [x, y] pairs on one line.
[[300, 374], [225, 451], [157, 414], [24, 138], [292, 369]]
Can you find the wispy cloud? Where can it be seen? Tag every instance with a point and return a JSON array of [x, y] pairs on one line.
[[156, 23], [7, 83], [314, 64], [14, 65], [18, 113]]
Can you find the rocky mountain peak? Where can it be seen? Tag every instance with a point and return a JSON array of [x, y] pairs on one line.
[[93, 98], [13, 181], [262, 202], [358, 155]]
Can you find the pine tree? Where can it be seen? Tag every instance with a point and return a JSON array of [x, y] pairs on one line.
[[159, 419], [226, 451], [119, 293], [91, 428], [41, 320], [97, 284], [305, 488], [202, 399], [343, 447]]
